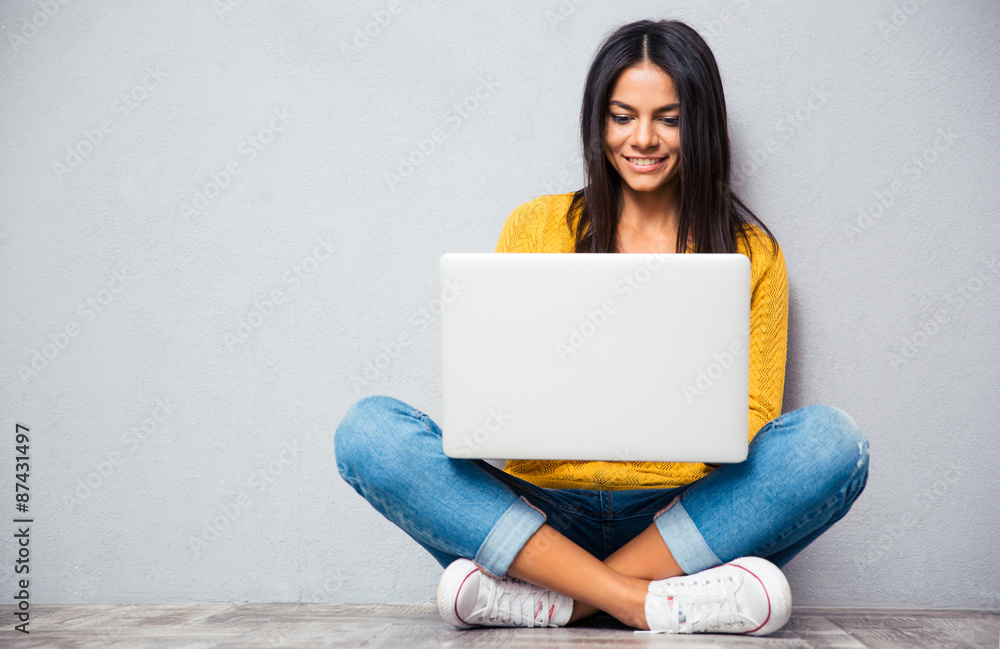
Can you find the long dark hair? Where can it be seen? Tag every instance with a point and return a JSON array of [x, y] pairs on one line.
[[708, 210]]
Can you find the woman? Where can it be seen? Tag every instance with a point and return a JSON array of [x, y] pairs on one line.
[[672, 547]]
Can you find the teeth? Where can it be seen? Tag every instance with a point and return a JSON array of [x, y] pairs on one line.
[[644, 162]]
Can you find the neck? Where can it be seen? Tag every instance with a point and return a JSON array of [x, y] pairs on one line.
[[650, 211]]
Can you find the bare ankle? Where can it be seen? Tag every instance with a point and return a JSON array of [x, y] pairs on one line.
[[633, 609]]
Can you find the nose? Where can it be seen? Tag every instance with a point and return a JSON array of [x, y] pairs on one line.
[[645, 134]]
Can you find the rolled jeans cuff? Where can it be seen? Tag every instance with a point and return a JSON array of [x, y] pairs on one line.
[[683, 539], [508, 536]]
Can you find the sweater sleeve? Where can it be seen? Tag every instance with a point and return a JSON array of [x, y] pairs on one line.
[[768, 337], [519, 230]]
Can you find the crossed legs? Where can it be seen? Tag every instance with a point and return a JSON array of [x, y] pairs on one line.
[[803, 473], [617, 585]]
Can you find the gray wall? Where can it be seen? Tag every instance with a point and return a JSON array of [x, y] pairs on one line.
[[200, 246]]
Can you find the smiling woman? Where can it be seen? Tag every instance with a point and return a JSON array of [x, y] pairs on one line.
[[643, 144], [676, 547], [654, 95], [647, 138]]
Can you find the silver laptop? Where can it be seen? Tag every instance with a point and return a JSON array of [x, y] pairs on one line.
[[565, 356]]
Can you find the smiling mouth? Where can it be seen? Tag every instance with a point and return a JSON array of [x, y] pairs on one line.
[[644, 162]]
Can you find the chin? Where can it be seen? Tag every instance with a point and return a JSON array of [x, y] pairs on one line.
[[644, 187]]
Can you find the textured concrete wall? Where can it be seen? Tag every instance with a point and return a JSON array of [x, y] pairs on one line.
[[201, 244]]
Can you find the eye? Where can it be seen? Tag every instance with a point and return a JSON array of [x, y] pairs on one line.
[[624, 119]]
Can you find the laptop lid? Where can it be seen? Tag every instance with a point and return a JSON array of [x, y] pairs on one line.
[[618, 356]]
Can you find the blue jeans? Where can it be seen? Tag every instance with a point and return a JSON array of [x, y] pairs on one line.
[[802, 474]]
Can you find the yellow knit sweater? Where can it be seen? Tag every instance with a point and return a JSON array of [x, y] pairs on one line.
[[540, 226]]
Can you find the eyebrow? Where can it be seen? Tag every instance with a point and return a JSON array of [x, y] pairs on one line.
[[658, 110]]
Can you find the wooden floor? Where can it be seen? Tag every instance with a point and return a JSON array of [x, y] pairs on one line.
[[251, 626]]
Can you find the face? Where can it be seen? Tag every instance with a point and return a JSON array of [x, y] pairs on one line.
[[642, 127]]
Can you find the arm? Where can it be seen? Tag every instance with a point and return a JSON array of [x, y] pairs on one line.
[[768, 335]]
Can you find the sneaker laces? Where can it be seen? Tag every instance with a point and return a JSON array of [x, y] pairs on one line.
[[506, 600], [700, 605]]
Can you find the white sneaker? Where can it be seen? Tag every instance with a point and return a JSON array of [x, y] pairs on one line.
[[748, 595], [467, 597]]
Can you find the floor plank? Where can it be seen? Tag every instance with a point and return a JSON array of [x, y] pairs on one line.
[[339, 626]]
